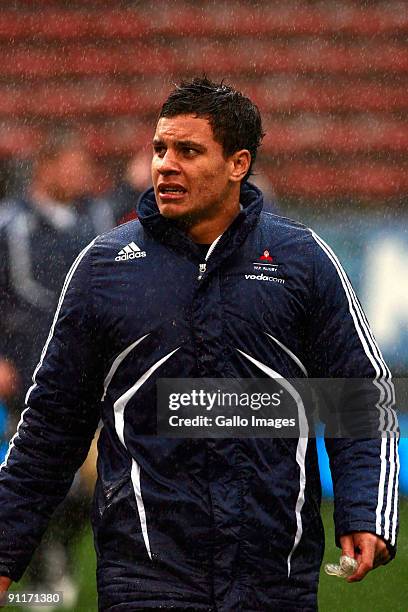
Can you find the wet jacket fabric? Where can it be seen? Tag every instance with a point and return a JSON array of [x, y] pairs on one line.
[[197, 524]]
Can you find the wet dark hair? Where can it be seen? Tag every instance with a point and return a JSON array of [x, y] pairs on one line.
[[235, 120]]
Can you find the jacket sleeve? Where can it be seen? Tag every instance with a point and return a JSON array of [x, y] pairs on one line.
[[364, 469], [57, 426]]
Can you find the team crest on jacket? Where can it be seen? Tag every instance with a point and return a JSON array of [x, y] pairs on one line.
[[266, 256], [130, 251], [265, 264]]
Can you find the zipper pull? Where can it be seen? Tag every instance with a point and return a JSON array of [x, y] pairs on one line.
[[203, 267]]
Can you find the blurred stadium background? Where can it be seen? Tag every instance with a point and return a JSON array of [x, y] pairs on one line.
[[331, 81]]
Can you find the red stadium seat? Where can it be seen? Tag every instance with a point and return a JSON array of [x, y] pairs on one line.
[[18, 140], [319, 180], [106, 97], [70, 100], [84, 60], [47, 24], [227, 58], [330, 79], [10, 100], [339, 136], [119, 139], [316, 95], [298, 19]]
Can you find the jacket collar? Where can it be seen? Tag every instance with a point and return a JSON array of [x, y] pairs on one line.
[[166, 231]]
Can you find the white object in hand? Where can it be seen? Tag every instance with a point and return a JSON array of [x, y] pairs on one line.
[[346, 568]]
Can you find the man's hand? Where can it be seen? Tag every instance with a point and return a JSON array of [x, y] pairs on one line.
[[369, 550], [4, 587], [9, 379]]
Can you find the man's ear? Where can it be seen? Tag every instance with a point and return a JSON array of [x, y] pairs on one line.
[[240, 162]]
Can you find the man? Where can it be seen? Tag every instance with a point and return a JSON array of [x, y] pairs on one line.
[[201, 524], [40, 235]]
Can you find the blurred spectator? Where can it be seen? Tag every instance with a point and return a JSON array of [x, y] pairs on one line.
[[40, 237], [136, 179]]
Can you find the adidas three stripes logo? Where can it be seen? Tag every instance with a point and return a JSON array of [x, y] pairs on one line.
[[130, 251]]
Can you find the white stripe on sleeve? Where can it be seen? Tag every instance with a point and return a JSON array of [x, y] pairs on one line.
[[387, 421]]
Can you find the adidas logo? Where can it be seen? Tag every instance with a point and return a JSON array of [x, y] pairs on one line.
[[130, 251]]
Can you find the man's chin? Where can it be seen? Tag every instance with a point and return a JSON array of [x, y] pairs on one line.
[[172, 210]]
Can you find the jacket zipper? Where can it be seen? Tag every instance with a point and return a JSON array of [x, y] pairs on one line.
[[203, 266]]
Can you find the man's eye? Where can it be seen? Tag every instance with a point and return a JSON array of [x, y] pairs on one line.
[[189, 151], [159, 150]]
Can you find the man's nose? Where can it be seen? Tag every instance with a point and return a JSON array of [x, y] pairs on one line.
[[168, 164]]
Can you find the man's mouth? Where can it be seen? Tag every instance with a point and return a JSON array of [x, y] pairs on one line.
[[171, 192]]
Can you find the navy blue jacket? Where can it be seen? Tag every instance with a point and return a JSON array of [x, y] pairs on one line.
[[197, 524]]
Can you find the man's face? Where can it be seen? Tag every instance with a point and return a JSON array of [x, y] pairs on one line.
[[69, 175], [191, 176]]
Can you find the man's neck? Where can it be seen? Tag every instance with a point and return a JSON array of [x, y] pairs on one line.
[[207, 230]]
